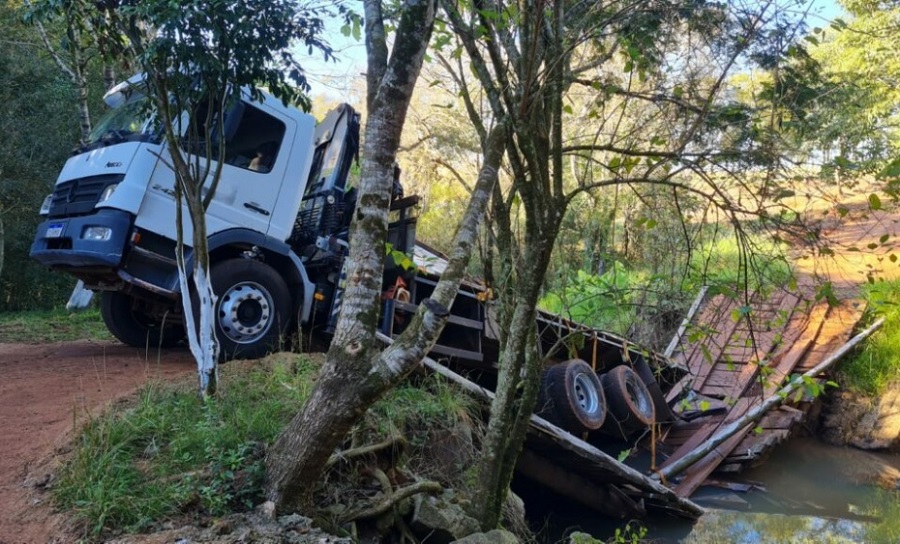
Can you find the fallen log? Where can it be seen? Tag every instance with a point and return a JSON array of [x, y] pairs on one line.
[[758, 412]]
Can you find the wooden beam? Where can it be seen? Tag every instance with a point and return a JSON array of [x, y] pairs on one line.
[[670, 349]]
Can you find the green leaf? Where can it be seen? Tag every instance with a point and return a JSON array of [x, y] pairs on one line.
[[704, 405], [623, 455], [568, 109], [874, 202], [678, 91]]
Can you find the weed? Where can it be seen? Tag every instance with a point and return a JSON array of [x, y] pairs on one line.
[[874, 367]]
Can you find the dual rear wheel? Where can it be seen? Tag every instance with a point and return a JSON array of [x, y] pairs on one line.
[[574, 398]]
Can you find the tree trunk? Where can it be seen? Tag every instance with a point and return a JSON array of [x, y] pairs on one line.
[[349, 384]]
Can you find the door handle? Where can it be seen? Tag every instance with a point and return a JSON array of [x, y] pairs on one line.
[[255, 207]]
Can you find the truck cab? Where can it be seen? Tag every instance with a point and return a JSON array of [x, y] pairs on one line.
[[277, 223]]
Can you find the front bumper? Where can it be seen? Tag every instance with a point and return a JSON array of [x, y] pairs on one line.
[[59, 242]]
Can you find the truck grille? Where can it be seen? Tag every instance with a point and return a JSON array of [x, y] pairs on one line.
[[79, 196]]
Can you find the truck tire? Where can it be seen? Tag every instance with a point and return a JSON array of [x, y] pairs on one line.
[[133, 327], [630, 402], [253, 308], [571, 397]]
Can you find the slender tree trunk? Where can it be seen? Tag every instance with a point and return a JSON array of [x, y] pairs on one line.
[[519, 370]]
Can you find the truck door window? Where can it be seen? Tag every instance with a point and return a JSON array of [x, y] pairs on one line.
[[256, 141]]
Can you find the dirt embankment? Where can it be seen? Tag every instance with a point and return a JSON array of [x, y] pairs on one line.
[[44, 391]]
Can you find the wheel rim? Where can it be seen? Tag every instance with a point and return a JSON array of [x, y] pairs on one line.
[[245, 312], [586, 394], [641, 400]]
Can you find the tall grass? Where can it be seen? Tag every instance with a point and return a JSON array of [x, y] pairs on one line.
[[619, 297], [874, 367], [171, 451]]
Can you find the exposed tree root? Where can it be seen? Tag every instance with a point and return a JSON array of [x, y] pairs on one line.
[[394, 442], [390, 501]]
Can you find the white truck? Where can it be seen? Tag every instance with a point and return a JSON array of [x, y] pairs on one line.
[[277, 224]]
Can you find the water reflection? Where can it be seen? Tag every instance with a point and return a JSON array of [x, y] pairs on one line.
[[721, 526], [814, 493]]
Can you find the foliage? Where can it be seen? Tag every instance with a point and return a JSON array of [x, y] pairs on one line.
[[877, 365], [47, 326], [605, 301], [39, 127], [858, 59], [171, 452]]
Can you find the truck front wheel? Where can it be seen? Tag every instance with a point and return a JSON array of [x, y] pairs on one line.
[[253, 308], [129, 324]]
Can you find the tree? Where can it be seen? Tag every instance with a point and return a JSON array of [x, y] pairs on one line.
[[357, 371], [859, 123], [38, 128], [198, 57], [598, 96], [78, 45]]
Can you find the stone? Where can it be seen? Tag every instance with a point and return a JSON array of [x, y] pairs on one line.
[[514, 516], [866, 423], [497, 536], [440, 519]]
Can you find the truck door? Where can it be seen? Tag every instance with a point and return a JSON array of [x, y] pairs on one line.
[[255, 166]]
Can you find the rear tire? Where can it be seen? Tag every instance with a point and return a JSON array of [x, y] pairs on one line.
[[253, 309], [571, 397], [131, 326], [630, 402]]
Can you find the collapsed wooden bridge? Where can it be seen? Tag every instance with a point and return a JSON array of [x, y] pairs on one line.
[[741, 357]]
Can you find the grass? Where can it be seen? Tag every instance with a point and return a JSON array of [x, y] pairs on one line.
[[171, 455], [171, 452], [725, 263], [613, 300], [877, 365], [47, 326]]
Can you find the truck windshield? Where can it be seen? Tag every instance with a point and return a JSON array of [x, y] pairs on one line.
[[127, 123]]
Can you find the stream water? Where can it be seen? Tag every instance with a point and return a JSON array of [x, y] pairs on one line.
[[807, 492]]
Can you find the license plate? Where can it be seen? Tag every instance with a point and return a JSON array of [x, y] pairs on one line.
[[55, 230]]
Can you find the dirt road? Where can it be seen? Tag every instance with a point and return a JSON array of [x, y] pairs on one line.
[[44, 389]]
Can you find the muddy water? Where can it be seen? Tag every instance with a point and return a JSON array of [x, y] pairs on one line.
[[806, 493]]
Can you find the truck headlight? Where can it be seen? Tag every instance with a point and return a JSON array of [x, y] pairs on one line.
[[107, 192], [45, 205], [96, 234]]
